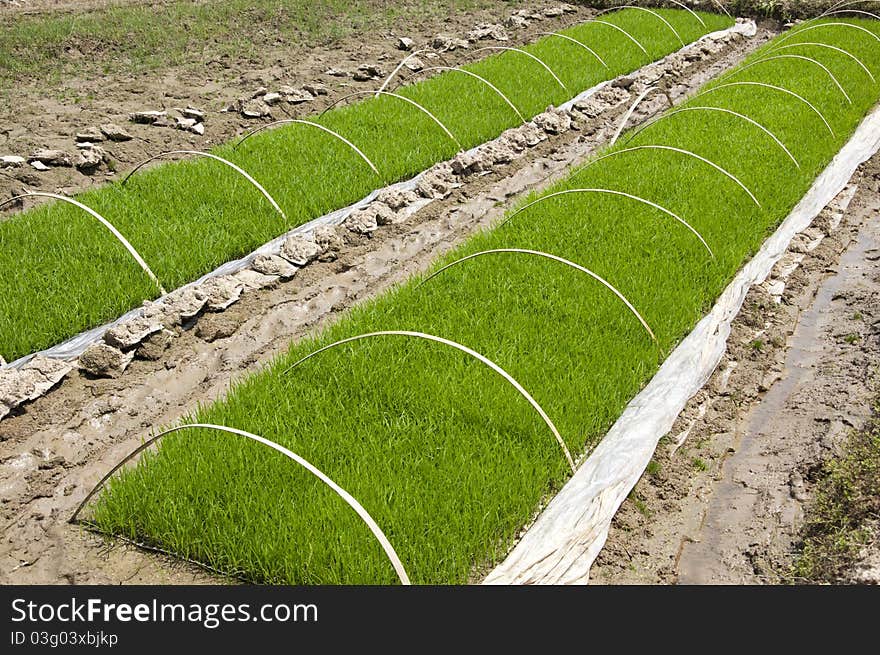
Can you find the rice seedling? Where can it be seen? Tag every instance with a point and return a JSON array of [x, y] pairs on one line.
[[60, 276], [446, 456]]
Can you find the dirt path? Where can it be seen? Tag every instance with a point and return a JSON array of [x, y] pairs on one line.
[[55, 449], [723, 500]]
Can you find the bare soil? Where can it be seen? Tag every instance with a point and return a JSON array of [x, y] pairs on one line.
[[34, 115], [53, 450], [724, 500]]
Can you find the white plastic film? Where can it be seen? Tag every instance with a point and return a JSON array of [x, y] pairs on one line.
[[565, 539]]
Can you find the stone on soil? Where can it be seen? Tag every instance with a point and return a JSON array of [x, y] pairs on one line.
[[300, 251], [103, 361], [252, 280], [366, 72], [328, 241], [51, 157], [90, 159], [129, 334], [147, 117], [274, 265], [115, 133], [316, 89], [31, 381], [221, 292], [491, 31], [11, 161], [92, 135]]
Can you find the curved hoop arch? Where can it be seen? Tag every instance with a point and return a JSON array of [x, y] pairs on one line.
[[847, 3], [850, 11], [681, 151], [485, 360], [801, 30], [556, 258], [764, 60], [481, 79], [199, 153], [573, 40], [775, 88], [629, 112], [718, 4], [116, 233], [725, 111], [816, 44], [527, 54], [298, 121], [415, 104], [403, 63], [311, 468], [596, 21], [616, 193], [653, 13], [689, 10]]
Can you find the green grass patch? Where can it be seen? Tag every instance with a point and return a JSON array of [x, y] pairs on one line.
[[845, 509], [447, 458], [132, 39], [62, 273]]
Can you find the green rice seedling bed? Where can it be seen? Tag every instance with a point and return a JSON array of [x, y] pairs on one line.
[[442, 452], [62, 273]]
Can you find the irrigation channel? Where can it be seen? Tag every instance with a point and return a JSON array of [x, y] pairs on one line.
[[458, 431]]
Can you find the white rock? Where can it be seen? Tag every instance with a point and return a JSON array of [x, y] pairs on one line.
[[198, 128], [395, 198], [405, 43], [184, 123], [12, 161], [488, 31], [182, 305], [40, 166], [415, 64], [298, 96], [272, 98]]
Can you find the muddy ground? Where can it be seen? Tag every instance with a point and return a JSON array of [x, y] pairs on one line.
[[723, 501], [52, 451], [34, 115]]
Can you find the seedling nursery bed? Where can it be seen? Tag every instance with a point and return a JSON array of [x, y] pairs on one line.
[[432, 423], [61, 272]]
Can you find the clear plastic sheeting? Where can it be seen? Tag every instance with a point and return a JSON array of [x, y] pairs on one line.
[[75, 346], [565, 539]]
